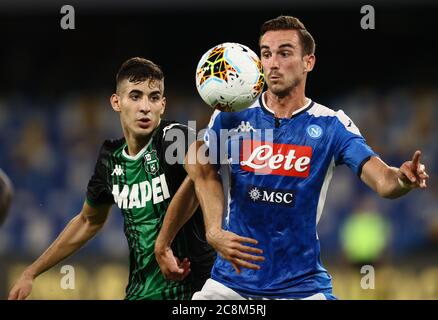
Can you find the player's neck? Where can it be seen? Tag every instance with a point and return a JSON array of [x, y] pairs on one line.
[[136, 144], [285, 106]]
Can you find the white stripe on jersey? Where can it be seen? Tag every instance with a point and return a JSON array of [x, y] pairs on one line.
[[213, 117], [324, 189], [319, 110], [225, 173], [170, 126]]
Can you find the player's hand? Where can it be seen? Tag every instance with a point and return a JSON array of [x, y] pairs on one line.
[[230, 246], [413, 173], [22, 288], [171, 267]]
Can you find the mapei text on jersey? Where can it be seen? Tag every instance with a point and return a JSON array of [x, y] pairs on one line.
[[138, 194]]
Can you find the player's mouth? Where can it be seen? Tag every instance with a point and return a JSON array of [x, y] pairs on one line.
[[274, 77], [144, 123]]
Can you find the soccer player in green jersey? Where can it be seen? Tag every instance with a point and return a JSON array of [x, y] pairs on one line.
[[140, 177]]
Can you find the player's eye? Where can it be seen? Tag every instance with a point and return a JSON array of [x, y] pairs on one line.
[[285, 54], [266, 54], [155, 97], [135, 96]]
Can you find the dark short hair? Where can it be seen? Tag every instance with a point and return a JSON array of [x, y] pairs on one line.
[[291, 23], [139, 69]]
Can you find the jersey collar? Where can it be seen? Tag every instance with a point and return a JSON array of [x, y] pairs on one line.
[[271, 112], [138, 155]]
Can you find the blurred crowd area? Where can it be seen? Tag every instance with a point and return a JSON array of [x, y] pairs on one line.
[[103, 280], [49, 149]]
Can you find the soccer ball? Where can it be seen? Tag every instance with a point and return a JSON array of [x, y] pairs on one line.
[[229, 77]]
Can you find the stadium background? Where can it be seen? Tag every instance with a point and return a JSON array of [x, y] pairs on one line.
[[54, 114]]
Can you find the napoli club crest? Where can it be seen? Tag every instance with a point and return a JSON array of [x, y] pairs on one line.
[[151, 164], [314, 131]]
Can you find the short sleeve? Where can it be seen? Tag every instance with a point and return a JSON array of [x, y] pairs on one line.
[[98, 189], [176, 140], [351, 148]]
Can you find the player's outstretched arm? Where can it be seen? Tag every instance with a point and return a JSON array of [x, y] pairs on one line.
[[390, 182], [180, 210], [78, 231], [208, 187]]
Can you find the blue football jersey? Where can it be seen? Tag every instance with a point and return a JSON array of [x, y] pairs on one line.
[[276, 173]]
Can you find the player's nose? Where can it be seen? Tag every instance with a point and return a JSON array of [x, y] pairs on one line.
[[275, 66], [273, 63], [145, 106]]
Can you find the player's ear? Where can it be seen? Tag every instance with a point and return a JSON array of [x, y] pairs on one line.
[[115, 102], [309, 62], [163, 104]]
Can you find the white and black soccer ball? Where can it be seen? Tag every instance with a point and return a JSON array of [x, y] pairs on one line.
[[229, 77]]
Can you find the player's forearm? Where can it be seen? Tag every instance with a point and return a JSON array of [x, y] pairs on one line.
[[389, 186], [208, 187], [382, 178], [211, 198], [180, 210], [75, 235]]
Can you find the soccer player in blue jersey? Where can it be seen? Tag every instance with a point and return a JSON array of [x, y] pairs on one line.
[[261, 211]]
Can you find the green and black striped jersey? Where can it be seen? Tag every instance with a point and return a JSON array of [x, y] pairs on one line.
[[142, 187]]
